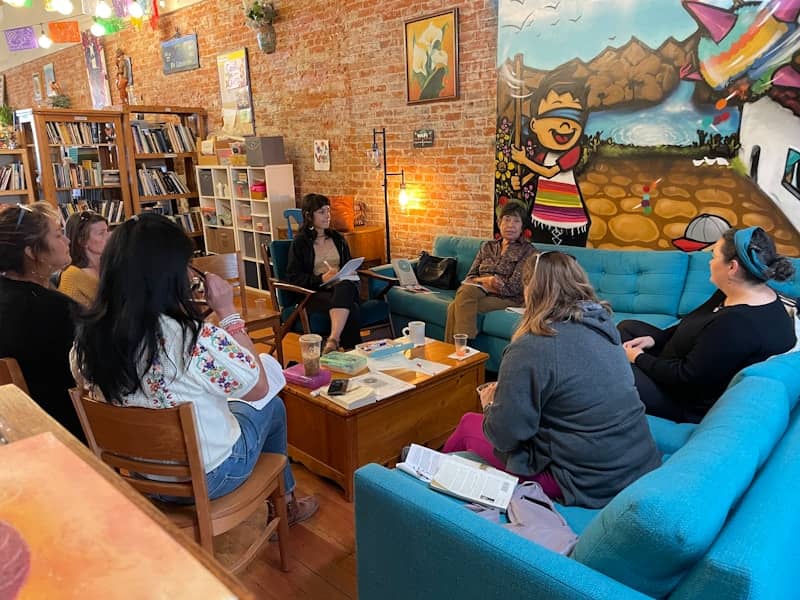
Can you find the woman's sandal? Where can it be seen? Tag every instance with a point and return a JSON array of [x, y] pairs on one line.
[[332, 345]]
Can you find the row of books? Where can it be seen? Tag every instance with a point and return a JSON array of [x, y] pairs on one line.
[[12, 177], [78, 134], [112, 210], [153, 138], [157, 182], [190, 221], [87, 174]]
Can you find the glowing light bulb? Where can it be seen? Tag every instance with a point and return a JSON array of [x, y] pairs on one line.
[[65, 7], [402, 198], [44, 41], [103, 10], [135, 10], [97, 29]]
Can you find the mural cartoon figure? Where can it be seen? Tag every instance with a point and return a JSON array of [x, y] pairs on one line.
[[558, 212]]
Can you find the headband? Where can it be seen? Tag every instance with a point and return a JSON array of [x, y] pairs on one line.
[[565, 113], [749, 260]]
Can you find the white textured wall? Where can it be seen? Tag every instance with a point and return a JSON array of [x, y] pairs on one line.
[[767, 124]]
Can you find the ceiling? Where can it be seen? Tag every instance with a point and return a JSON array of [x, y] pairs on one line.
[[11, 17]]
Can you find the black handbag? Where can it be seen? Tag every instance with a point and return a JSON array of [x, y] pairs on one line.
[[436, 272]]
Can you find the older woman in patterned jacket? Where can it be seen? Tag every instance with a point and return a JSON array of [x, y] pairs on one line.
[[495, 280]]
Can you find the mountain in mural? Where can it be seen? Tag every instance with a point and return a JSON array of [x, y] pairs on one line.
[[631, 76]]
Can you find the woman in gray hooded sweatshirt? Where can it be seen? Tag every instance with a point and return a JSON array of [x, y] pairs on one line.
[[565, 411]]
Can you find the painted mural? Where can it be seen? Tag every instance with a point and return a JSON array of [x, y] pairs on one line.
[[649, 123]]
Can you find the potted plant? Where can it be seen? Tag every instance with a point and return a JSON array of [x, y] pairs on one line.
[[260, 15], [6, 115]]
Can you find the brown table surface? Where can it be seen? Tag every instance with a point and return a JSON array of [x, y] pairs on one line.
[[21, 417]]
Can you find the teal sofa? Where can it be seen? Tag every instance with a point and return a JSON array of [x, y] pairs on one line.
[[657, 287], [719, 519]]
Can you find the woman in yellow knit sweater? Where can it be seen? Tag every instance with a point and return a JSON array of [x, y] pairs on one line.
[[87, 232]]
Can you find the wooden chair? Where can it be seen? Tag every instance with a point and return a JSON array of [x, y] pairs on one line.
[[230, 267], [163, 442], [290, 214], [11, 373], [292, 300]]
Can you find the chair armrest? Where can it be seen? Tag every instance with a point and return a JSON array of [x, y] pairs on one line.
[[377, 277], [290, 287]]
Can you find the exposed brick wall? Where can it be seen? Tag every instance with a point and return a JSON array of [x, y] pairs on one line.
[[338, 72]]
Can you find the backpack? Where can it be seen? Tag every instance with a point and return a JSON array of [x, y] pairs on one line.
[[532, 515]]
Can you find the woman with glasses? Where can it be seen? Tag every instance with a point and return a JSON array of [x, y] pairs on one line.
[[681, 371], [315, 257], [88, 233], [494, 281], [564, 412], [36, 321], [143, 343]]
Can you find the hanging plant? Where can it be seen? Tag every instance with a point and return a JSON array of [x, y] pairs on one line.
[[6, 114], [260, 16]]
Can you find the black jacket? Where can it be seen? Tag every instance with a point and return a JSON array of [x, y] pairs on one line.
[[300, 268]]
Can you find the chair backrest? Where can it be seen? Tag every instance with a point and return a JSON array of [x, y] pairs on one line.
[[229, 266], [11, 373], [277, 259], [297, 215], [142, 442]]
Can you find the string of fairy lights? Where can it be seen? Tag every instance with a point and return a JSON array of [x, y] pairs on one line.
[[104, 21]]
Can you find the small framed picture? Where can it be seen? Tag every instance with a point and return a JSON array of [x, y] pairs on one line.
[[322, 155], [432, 57], [50, 80], [37, 88]]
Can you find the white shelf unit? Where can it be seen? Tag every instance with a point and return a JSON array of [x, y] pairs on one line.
[[235, 217]]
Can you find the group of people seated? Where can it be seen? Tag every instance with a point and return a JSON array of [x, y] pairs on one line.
[[129, 329], [568, 407]]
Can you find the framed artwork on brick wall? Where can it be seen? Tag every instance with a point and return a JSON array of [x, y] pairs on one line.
[[432, 57], [37, 88], [49, 79], [234, 88], [95, 58]]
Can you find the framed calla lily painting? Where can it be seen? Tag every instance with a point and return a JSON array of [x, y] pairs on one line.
[[432, 57]]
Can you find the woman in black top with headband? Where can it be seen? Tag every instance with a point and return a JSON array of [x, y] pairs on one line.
[[681, 371]]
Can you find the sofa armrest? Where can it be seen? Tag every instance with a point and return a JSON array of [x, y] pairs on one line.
[[412, 542]]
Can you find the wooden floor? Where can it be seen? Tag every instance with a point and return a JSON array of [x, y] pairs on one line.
[[322, 558], [322, 555]]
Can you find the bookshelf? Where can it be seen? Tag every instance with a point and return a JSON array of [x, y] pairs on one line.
[[16, 184], [161, 143], [80, 160], [242, 207], [26, 140]]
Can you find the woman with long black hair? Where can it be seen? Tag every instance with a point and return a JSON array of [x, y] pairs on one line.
[[143, 343]]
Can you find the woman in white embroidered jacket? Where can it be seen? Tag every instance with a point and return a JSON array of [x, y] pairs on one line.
[[143, 343]]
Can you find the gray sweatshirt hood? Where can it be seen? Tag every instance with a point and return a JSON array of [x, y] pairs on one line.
[[598, 319]]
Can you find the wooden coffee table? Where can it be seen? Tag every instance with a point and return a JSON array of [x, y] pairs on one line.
[[334, 442]]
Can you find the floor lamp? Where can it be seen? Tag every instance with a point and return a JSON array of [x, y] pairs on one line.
[[375, 157]]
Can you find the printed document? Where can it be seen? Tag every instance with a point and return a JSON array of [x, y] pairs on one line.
[[475, 482], [421, 462], [348, 271]]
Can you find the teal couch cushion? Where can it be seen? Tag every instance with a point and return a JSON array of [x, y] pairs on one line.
[[653, 531], [463, 249], [784, 367], [698, 288], [757, 554], [633, 281]]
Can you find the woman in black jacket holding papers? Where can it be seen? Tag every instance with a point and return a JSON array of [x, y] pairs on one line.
[[316, 255]]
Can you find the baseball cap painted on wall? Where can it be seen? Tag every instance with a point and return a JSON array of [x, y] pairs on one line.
[[701, 232]]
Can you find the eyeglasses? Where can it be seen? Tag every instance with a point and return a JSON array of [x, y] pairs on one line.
[[22, 211]]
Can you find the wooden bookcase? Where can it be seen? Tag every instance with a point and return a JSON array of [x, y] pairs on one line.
[[81, 160], [16, 184], [161, 161], [237, 217]]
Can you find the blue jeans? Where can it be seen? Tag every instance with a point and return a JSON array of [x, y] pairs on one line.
[[262, 431]]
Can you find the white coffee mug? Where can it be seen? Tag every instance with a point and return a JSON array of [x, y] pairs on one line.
[[415, 332]]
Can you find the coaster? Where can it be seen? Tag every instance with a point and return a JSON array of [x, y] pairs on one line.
[[470, 352]]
